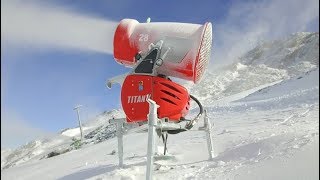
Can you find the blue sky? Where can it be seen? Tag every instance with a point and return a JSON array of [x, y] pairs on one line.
[[45, 71]]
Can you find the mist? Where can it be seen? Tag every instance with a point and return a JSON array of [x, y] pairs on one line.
[[43, 26], [249, 23]]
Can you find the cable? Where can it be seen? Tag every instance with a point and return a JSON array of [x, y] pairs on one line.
[[192, 122]]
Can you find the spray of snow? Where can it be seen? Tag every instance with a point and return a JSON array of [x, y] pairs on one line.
[[46, 26], [249, 23]]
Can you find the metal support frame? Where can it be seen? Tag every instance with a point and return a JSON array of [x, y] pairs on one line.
[[152, 121], [120, 141], [153, 125], [119, 132], [207, 128]]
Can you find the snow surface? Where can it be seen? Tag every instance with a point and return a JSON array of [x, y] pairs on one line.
[[73, 132], [266, 126]]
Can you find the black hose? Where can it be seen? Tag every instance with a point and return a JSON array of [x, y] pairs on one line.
[[176, 131], [190, 124], [193, 122], [199, 104]]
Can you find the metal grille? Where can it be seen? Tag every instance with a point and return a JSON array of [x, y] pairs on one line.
[[204, 53]]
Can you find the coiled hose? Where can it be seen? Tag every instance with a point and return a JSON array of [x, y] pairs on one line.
[[192, 122]]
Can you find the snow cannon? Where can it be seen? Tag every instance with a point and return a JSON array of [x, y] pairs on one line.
[[157, 51]]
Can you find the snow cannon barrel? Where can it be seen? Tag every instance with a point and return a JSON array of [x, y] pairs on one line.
[[187, 46]]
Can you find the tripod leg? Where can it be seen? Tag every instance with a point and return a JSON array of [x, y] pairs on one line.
[[164, 139], [165, 146]]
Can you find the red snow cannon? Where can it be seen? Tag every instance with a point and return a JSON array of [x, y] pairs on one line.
[[155, 51]]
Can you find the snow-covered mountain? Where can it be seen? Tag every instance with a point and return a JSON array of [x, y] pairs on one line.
[[95, 131], [290, 53], [265, 110], [268, 62]]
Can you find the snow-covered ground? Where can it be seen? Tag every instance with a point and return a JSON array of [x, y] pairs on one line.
[[266, 126]]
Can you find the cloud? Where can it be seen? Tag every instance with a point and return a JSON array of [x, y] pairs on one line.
[[248, 23], [45, 26], [15, 130]]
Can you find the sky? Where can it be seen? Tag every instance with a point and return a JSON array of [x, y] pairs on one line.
[[58, 54]]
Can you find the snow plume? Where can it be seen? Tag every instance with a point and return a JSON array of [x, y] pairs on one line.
[[247, 24], [41, 26]]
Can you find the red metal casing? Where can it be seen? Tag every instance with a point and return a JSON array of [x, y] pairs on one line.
[[190, 46], [172, 98]]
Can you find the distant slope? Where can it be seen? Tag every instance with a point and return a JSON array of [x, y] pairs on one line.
[[95, 131], [295, 86], [267, 63], [287, 53]]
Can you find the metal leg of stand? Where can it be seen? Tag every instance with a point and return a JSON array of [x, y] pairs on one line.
[[208, 134], [152, 120], [120, 141]]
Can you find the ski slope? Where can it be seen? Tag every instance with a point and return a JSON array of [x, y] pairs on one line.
[[266, 126], [260, 140]]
